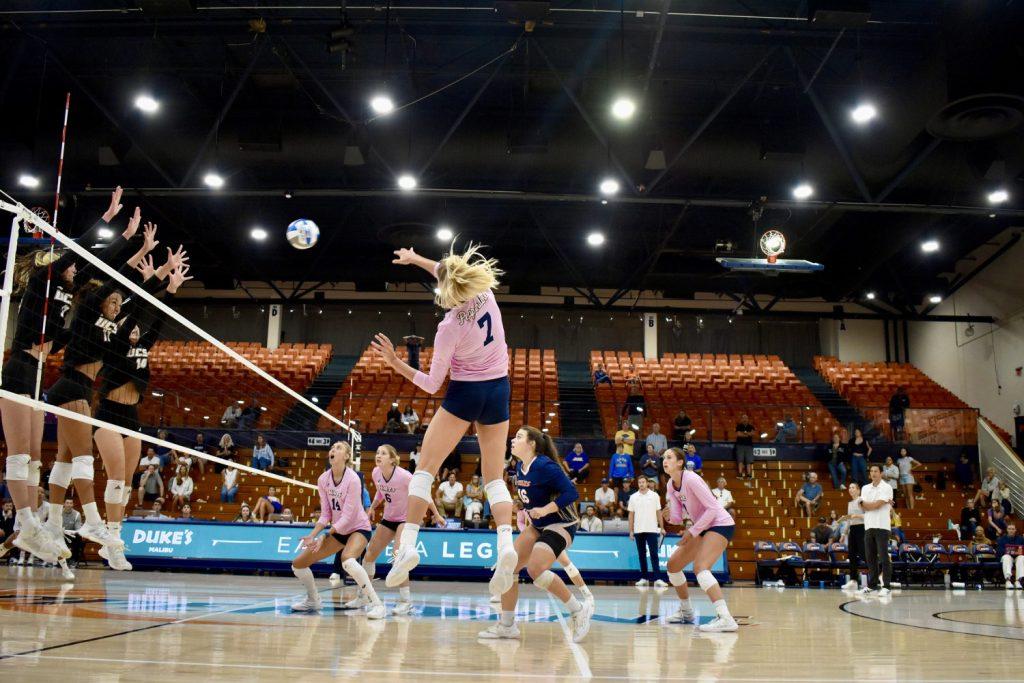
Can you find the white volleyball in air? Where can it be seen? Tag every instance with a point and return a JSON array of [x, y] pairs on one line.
[[302, 233]]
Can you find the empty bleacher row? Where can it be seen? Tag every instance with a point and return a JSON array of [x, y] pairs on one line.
[[715, 389]]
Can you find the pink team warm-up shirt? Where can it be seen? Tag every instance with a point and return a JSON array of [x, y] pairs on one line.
[[470, 341], [700, 504], [341, 504], [394, 492]]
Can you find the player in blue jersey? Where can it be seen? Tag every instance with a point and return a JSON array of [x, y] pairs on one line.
[[549, 498]]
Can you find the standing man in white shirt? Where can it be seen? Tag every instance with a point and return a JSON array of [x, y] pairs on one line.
[[646, 527], [876, 501]]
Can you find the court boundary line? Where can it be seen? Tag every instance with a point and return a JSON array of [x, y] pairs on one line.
[[578, 654], [842, 608]]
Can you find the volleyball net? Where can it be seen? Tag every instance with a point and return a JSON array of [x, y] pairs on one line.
[[197, 383]]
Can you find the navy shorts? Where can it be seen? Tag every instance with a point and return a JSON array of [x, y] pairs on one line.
[[484, 402], [391, 524], [726, 531], [19, 376]]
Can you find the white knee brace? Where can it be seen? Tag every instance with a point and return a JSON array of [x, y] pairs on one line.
[[497, 492], [544, 580], [33, 472], [571, 571], [60, 475], [114, 493], [677, 578], [81, 467], [420, 485], [17, 467], [706, 580]]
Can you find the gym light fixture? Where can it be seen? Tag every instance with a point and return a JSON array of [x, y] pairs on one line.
[[609, 186], [407, 182], [863, 113], [214, 180], [998, 196], [929, 246], [258, 234], [105, 233], [382, 104], [146, 104], [595, 239], [29, 181], [803, 191], [623, 108], [870, 296], [935, 299], [444, 233]]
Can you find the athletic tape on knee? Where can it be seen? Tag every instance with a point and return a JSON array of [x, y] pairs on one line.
[[571, 571], [497, 492], [60, 475], [677, 578], [544, 580], [114, 493], [34, 466], [420, 485], [81, 467], [706, 580], [17, 467]]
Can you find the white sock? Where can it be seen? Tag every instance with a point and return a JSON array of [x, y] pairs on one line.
[[27, 518], [92, 513], [504, 537], [55, 517], [573, 604], [305, 577], [721, 609], [403, 592], [508, 617], [684, 605], [114, 528], [356, 571], [409, 535]]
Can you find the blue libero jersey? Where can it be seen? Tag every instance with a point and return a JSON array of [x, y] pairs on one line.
[[543, 483]]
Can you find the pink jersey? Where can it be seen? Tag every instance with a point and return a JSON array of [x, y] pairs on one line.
[[471, 342], [700, 504], [394, 492], [341, 503]]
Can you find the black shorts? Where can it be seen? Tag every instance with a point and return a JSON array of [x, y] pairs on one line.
[[19, 374], [726, 531], [391, 524], [119, 414], [343, 538], [744, 454], [484, 402], [72, 386], [555, 540]]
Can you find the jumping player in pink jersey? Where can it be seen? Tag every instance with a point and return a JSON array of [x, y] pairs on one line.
[[470, 345], [341, 513], [702, 544], [392, 484]]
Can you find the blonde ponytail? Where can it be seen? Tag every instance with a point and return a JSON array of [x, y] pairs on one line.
[[460, 277]]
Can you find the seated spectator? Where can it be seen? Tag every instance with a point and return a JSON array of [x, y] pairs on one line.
[[163, 452], [601, 377], [657, 439], [286, 517], [181, 489], [414, 457], [410, 420], [1010, 551], [621, 465], [891, 474], [808, 497], [473, 500], [250, 416], [158, 510], [449, 497], [591, 522], [989, 487], [681, 426], [476, 522], [151, 486], [144, 463], [785, 430], [969, 519], [822, 532], [626, 438], [244, 515], [393, 421], [650, 464], [980, 539], [201, 446], [267, 505], [625, 491], [604, 499], [72, 521], [577, 464], [225, 449], [963, 471], [232, 414], [694, 463], [995, 524], [1004, 498], [724, 496], [262, 455], [896, 526], [186, 512], [229, 484], [180, 460]]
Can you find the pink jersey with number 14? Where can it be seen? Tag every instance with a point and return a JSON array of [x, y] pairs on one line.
[[394, 492], [341, 503]]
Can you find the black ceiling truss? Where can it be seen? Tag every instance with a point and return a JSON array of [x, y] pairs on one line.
[[587, 291], [655, 47], [956, 285], [922, 154], [639, 275]]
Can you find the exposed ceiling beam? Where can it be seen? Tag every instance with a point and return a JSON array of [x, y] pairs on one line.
[[639, 274], [568, 263], [977, 271], [906, 170], [655, 47]]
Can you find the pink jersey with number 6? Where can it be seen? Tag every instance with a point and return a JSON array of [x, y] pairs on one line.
[[341, 503], [394, 492]]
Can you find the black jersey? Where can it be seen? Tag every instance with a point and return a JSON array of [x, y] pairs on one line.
[[127, 363]]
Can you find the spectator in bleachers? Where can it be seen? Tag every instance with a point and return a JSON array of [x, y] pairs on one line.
[[1010, 551], [821, 532], [898, 405], [854, 535], [627, 489], [244, 515], [650, 464], [181, 488], [7, 520], [225, 449], [181, 460], [201, 446], [744, 448], [604, 499], [414, 457], [590, 522], [896, 525], [646, 527], [980, 538], [229, 484], [906, 465], [681, 426], [626, 437], [860, 451], [393, 420], [836, 526], [151, 486], [267, 505], [452, 465], [969, 519], [657, 439], [963, 471], [477, 522], [891, 473], [158, 510], [995, 523], [71, 520], [785, 430], [989, 487], [601, 377], [286, 517], [262, 454], [163, 452], [186, 512], [149, 459], [232, 414], [410, 419], [1004, 497], [577, 464], [473, 500], [635, 405], [621, 465], [837, 461], [808, 497], [694, 463], [449, 497], [250, 416], [724, 496]]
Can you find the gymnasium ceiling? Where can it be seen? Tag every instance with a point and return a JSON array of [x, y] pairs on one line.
[[507, 128]]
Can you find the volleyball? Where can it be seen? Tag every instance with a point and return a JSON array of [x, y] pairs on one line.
[[302, 233]]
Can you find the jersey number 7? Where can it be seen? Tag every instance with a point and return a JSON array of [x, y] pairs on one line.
[[486, 320]]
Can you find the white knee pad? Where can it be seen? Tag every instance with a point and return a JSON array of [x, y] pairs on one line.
[[17, 467], [571, 571], [60, 475], [81, 467], [420, 485], [497, 492], [114, 493], [544, 580], [33, 472], [677, 578], [706, 580]]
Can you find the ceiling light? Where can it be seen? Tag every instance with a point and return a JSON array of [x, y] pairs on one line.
[[105, 233], [444, 233], [998, 196], [406, 182], [870, 296], [609, 186], [803, 191], [258, 234], [623, 108], [863, 113], [147, 104], [29, 181], [214, 180], [595, 239], [935, 299], [929, 246], [382, 104]]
